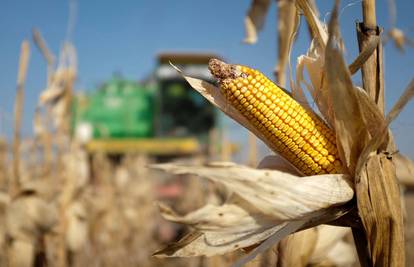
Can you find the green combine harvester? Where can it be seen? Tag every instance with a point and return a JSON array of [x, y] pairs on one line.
[[162, 116]]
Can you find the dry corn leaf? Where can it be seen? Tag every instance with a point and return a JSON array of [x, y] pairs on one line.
[[278, 194], [255, 18]]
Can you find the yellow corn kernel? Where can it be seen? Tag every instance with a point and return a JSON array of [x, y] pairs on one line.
[[294, 132]]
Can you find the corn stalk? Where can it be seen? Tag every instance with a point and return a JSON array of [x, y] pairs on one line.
[[378, 196], [21, 79]]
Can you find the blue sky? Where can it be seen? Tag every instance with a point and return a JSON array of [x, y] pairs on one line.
[[125, 36]]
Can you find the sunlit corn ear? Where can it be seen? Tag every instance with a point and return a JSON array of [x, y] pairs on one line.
[[292, 131]]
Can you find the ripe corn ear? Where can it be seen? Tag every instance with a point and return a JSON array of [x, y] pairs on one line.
[[294, 132]]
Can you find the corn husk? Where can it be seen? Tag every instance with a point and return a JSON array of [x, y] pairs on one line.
[[268, 205], [28, 217]]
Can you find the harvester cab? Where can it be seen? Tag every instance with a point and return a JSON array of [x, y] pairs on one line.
[[161, 116]]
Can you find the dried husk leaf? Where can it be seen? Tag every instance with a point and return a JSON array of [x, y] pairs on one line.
[[254, 20], [220, 229], [267, 205], [278, 194]]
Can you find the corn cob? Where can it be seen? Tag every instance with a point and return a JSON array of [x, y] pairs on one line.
[[292, 131]]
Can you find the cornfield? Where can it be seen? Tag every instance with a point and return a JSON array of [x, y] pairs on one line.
[[335, 191]]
